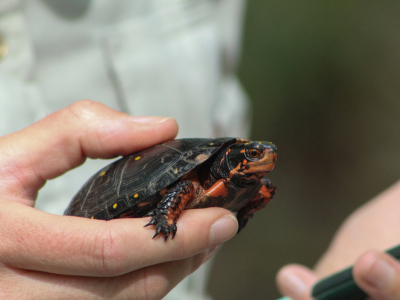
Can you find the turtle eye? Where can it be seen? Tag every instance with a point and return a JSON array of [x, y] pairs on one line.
[[254, 153]]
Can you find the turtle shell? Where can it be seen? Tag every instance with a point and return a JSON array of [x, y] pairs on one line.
[[131, 186]]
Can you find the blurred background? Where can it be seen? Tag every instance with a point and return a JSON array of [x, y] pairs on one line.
[[324, 78]]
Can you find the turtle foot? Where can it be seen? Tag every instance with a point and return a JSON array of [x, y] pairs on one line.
[[162, 224]]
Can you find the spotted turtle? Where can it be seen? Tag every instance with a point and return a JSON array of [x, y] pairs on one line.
[[165, 179]]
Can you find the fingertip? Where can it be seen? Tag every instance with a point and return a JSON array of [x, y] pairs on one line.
[[378, 274], [296, 281], [167, 124], [372, 270], [223, 229], [208, 224]]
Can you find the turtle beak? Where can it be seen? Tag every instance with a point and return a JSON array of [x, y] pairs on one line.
[[270, 155], [270, 150]]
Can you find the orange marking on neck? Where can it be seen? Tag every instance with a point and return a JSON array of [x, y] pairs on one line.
[[235, 171]]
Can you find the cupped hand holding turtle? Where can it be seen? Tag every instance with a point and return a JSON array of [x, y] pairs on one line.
[[360, 241], [49, 257]]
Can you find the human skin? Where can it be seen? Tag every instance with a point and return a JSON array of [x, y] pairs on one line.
[[359, 241], [45, 256]]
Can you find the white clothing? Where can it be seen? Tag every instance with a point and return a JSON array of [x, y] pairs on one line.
[[146, 57]]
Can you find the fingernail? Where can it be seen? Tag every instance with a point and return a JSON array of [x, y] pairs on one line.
[[223, 229], [380, 273], [296, 286], [284, 298], [149, 119]]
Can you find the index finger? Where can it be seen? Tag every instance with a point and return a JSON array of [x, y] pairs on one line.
[[35, 240], [63, 140]]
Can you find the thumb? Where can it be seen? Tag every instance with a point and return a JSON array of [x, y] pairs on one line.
[[63, 140], [378, 274]]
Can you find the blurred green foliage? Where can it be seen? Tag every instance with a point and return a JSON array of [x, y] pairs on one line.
[[324, 78]]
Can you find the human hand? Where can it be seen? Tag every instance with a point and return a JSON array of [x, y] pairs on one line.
[[44, 256], [373, 226]]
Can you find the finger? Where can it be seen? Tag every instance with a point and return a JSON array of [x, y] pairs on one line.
[[296, 282], [62, 141], [39, 241], [153, 282], [378, 274]]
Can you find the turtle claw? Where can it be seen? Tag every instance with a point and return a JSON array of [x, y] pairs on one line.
[[242, 223], [158, 232], [160, 221], [150, 223]]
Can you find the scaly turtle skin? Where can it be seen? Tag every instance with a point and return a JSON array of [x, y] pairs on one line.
[[165, 179]]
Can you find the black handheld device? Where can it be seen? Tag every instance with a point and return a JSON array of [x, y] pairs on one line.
[[341, 286]]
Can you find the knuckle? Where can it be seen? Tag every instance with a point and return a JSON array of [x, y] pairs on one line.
[[75, 116], [147, 284], [82, 110], [86, 104], [182, 248], [88, 117], [107, 253]]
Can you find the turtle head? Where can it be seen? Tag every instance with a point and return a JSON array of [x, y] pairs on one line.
[[249, 162]]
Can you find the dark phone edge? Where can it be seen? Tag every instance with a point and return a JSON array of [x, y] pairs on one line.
[[341, 286]]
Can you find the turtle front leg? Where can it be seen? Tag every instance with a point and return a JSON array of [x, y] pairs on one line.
[[264, 196], [166, 214]]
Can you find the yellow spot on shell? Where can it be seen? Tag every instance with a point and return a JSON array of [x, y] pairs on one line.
[[92, 217], [211, 144], [246, 144], [136, 195], [137, 158], [115, 205], [102, 174]]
